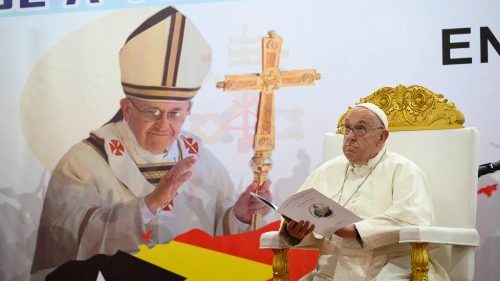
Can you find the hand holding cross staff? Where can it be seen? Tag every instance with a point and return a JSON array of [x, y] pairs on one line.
[[267, 82]]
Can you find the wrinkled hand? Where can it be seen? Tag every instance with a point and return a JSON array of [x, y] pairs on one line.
[[347, 232], [167, 188], [298, 230], [247, 205]]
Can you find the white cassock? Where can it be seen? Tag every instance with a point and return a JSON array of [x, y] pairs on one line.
[[387, 193], [95, 199]]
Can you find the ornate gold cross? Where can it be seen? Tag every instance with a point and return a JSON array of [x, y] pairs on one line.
[[268, 81]]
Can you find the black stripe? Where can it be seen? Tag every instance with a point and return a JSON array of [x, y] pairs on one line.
[[98, 144], [163, 88], [151, 21], [149, 97], [179, 49], [169, 50], [156, 168], [154, 181]]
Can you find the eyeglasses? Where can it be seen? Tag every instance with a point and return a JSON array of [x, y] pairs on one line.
[[155, 114], [358, 131]]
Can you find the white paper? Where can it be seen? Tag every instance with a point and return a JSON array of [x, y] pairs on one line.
[[310, 205]]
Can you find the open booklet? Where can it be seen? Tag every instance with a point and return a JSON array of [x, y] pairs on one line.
[[327, 215]]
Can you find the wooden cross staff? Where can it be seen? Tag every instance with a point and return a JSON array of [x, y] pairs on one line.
[[268, 81]]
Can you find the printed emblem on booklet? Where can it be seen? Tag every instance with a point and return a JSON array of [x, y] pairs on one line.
[[311, 205]]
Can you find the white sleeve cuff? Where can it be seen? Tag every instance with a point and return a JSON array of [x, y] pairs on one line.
[[235, 225], [146, 215]]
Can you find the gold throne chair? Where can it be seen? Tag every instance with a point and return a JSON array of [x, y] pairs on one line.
[[427, 129]]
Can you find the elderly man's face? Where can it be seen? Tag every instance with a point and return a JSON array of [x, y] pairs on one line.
[[361, 148], [154, 132]]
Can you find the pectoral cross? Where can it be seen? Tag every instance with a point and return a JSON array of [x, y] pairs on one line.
[[269, 80]]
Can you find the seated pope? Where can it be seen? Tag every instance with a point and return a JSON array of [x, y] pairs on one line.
[[385, 189]]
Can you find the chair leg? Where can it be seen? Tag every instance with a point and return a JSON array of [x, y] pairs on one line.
[[280, 265], [419, 262]]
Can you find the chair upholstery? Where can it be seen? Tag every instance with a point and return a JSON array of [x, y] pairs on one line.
[[449, 158]]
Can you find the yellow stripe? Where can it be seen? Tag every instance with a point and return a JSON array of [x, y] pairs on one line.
[[200, 264], [160, 92], [154, 175], [161, 164]]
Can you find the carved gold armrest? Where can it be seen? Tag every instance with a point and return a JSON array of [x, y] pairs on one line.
[[420, 236], [419, 262], [272, 240]]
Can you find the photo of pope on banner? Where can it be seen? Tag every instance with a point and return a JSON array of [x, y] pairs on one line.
[[140, 179]]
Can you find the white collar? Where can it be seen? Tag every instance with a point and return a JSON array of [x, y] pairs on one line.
[[370, 164], [172, 154]]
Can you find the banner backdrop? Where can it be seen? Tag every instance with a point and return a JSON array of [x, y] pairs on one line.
[[59, 79]]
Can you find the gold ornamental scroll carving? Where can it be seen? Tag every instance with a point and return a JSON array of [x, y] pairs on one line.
[[414, 108], [267, 82]]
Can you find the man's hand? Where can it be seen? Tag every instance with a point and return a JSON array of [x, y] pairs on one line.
[[169, 184], [298, 230], [247, 205], [347, 232]]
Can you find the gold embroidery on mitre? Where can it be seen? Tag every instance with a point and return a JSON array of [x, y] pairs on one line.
[[158, 93], [413, 108]]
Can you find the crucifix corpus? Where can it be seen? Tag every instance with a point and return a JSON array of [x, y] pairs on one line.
[[268, 81]]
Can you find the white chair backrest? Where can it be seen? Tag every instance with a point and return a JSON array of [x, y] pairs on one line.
[[449, 159]]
